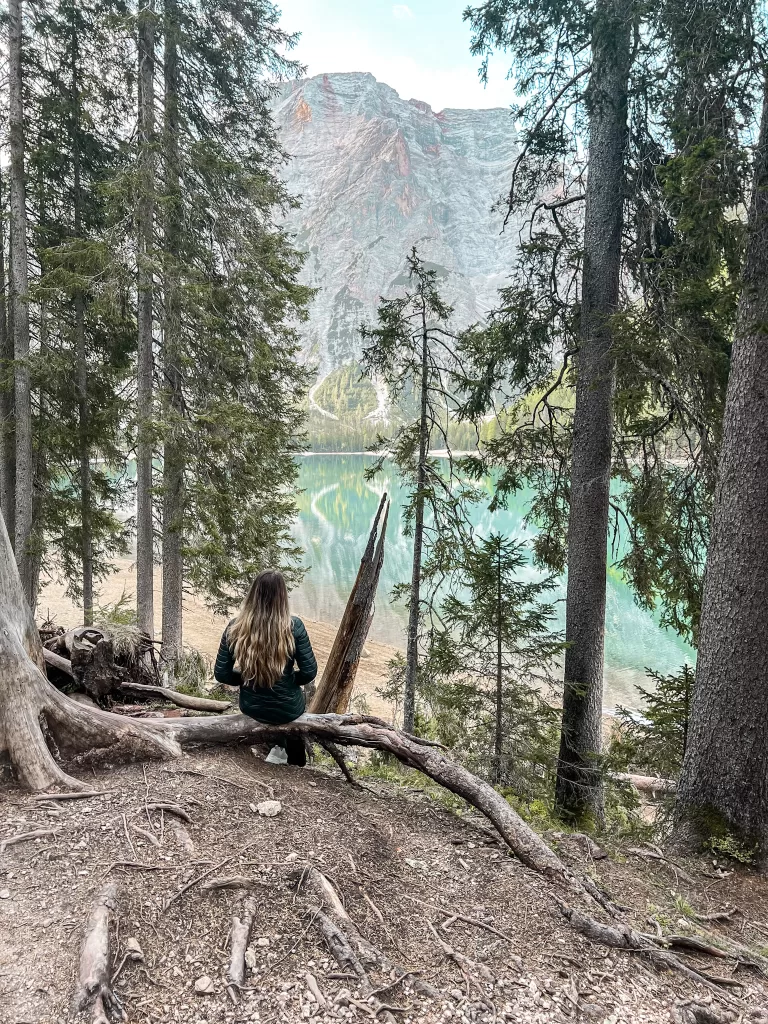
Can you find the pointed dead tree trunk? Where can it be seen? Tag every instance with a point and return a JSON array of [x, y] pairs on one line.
[[335, 688], [578, 791], [7, 390], [145, 561], [173, 456], [724, 782], [20, 277]]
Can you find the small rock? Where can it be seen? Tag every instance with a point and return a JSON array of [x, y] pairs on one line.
[[204, 986], [418, 865], [250, 957], [291, 858], [269, 808], [5, 894], [134, 949], [263, 942]]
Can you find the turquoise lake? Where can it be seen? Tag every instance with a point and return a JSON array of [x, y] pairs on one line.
[[337, 505]]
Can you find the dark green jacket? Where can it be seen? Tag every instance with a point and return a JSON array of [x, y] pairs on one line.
[[282, 702]]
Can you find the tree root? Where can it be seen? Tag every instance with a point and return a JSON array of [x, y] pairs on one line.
[[623, 936], [241, 930], [94, 991], [363, 952]]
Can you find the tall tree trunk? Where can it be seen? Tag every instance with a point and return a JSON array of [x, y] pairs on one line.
[[144, 392], [578, 791], [173, 455], [81, 354], [414, 613], [724, 781], [20, 277], [7, 393], [499, 737]]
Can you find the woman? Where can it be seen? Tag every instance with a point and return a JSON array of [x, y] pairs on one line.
[[266, 652]]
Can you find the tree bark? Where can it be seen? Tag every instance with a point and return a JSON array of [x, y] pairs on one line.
[[414, 609], [20, 276], [724, 782], [578, 791], [499, 731], [7, 393], [144, 392], [173, 453], [81, 354]]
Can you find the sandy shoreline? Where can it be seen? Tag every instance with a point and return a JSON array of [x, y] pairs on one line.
[[202, 629]]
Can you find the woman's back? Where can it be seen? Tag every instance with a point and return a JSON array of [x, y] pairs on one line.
[[283, 701]]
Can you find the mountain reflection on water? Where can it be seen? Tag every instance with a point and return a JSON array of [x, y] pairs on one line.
[[336, 507]]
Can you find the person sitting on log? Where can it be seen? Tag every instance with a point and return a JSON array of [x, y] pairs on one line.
[[266, 652]]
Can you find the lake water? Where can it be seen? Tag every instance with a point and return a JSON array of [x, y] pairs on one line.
[[337, 506]]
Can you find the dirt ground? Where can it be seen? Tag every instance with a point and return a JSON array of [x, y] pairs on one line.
[[202, 630], [403, 863]]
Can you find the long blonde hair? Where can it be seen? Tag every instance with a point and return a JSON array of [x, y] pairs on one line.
[[260, 636]]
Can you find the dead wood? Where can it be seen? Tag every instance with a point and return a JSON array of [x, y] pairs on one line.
[[717, 916], [25, 837], [335, 688], [175, 809], [146, 834], [59, 663], [94, 991], [181, 700], [241, 931], [83, 794], [234, 882], [216, 867], [646, 783]]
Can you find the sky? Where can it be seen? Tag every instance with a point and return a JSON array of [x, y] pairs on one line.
[[420, 48]]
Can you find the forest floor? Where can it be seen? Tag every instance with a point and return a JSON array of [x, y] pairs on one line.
[[405, 860], [203, 631]]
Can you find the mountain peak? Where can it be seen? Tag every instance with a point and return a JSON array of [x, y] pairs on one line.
[[377, 175]]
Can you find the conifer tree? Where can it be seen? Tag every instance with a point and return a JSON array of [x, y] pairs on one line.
[[145, 254], [493, 650], [412, 349], [24, 469], [607, 222]]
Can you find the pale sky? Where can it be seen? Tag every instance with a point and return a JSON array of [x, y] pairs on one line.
[[420, 48]]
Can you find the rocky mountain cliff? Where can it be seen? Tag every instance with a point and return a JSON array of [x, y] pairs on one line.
[[377, 175]]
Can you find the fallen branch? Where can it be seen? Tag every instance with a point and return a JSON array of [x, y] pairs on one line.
[[216, 867], [234, 882], [241, 930], [56, 661], [25, 837], [94, 991], [176, 809], [181, 700], [81, 794], [646, 783]]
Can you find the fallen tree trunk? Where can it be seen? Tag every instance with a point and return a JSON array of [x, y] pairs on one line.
[[94, 990], [646, 783]]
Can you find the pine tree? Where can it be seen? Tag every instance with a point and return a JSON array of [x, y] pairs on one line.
[[723, 788], [24, 467], [493, 652], [638, 405], [76, 146], [412, 351], [7, 399], [145, 254]]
